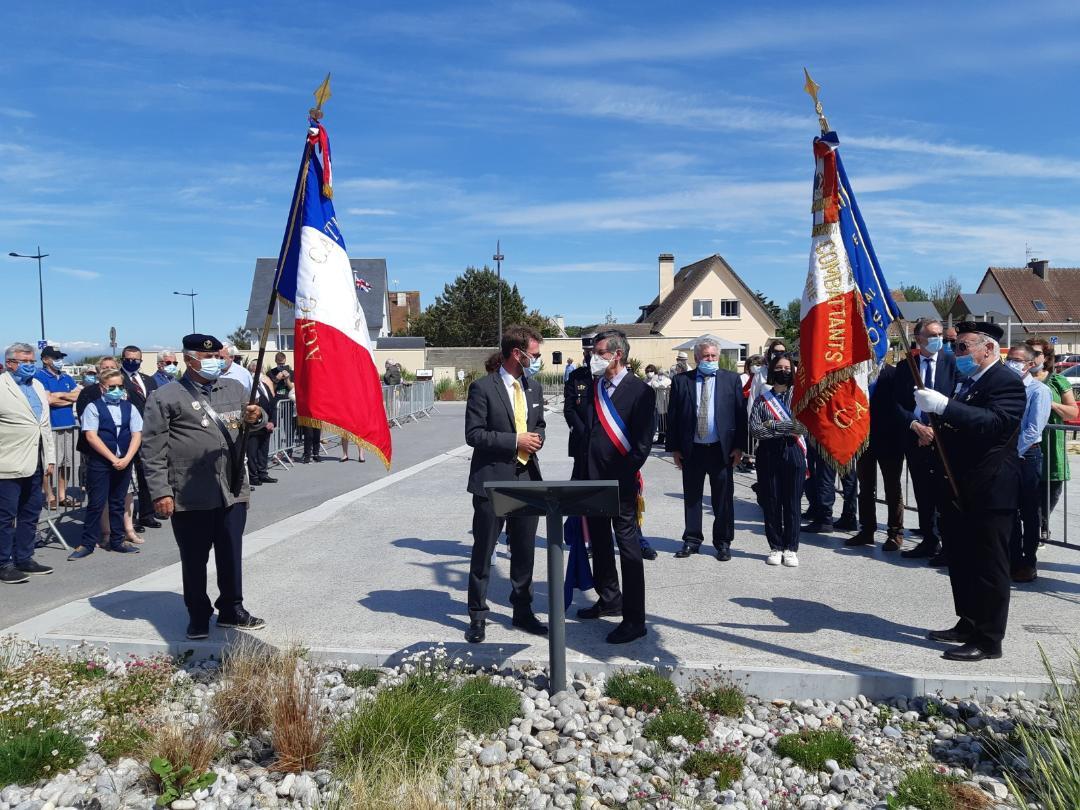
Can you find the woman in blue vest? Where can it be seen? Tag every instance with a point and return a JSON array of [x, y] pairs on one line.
[[113, 430]]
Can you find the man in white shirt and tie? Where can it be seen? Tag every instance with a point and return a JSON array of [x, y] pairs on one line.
[[139, 386]]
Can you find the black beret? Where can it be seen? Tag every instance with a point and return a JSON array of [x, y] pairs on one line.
[[982, 327], [201, 343], [52, 351]]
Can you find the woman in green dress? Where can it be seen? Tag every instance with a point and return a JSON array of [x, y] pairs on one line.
[[1063, 408]]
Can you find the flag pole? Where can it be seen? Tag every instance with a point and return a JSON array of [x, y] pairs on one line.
[[322, 93]]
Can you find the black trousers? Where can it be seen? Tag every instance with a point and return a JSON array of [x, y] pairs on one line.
[[258, 453], [146, 506], [628, 537], [105, 486], [1024, 544], [708, 460], [977, 548], [312, 442], [781, 475], [198, 531], [891, 464], [922, 463], [521, 532]]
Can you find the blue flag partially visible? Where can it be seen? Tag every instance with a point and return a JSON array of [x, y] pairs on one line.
[[879, 308], [578, 571]]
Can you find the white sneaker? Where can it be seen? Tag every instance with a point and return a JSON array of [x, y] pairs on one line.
[[773, 558], [791, 559]]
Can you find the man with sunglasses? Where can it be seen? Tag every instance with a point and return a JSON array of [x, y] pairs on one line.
[[978, 429], [504, 425]]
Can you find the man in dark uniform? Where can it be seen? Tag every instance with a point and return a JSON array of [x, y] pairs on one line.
[[504, 425], [885, 451], [616, 411], [708, 442], [577, 386], [139, 387], [190, 435], [977, 430]]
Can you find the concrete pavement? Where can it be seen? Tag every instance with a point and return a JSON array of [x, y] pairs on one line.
[[380, 570]]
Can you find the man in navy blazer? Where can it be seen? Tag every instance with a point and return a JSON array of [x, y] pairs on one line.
[[978, 430], [707, 443], [504, 425], [616, 410], [937, 371]]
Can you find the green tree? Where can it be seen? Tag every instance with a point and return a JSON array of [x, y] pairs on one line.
[[790, 319], [913, 292], [467, 312], [574, 331], [770, 305], [240, 337], [943, 294]]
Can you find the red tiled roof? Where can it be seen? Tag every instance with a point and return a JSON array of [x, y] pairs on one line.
[[1060, 291]]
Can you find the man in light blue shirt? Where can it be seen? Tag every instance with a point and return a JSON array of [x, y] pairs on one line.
[[1024, 543], [63, 394]]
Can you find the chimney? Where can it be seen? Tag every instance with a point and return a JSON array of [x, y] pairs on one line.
[[667, 276], [1040, 267]]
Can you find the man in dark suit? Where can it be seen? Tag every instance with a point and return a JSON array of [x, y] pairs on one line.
[[617, 413], [138, 387], [707, 441], [258, 441], [577, 386], [978, 430], [504, 424], [937, 371]]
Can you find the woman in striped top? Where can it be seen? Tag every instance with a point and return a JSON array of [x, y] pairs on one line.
[[781, 462]]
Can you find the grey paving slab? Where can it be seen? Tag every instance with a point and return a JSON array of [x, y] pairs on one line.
[[379, 571]]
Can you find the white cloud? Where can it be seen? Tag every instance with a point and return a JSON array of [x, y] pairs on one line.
[[371, 212], [82, 275], [79, 345], [12, 112]]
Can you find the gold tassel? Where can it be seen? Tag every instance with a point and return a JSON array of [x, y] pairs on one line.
[[327, 192]]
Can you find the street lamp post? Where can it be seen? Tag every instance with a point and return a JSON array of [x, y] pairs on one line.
[[41, 287], [498, 257], [190, 295]]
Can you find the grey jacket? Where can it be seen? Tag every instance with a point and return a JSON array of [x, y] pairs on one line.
[[184, 454]]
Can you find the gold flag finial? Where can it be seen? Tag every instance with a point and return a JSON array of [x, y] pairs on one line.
[[811, 87], [322, 94]]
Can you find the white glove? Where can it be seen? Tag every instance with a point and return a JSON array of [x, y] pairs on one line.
[[930, 401]]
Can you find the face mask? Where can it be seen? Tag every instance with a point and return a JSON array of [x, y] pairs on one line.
[[210, 368], [933, 345], [755, 369], [948, 347], [649, 375], [598, 365], [170, 369], [781, 378], [1017, 366], [115, 394], [966, 365], [90, 379], [130, 364], [24, 372], [708, 367]]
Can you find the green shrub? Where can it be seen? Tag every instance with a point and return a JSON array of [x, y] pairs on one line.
[[88, 670], [925, 789], [121, 737], [146, 683], [485, 707], [811, 748], [644, 689], [361, 678], [676, 722], [30, 755], [724, 766], [726, 700]]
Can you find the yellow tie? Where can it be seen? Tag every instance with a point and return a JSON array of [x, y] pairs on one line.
[[521, 424]]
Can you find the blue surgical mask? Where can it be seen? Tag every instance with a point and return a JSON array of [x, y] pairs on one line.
[[949, 347], [170, 369], [708, 367], [130, 364], [210, 368], [24, 372], [1017, 366], [90, 379], [533, 368], [933, 345], [966, 364], [115, 394]]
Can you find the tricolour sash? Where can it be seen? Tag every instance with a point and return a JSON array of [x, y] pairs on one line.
[[610, 420], [781, 414]]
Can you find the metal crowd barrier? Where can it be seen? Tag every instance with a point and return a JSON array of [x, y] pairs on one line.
[[663, 397], [54, 510], [408, 401], [285, 437], [1062, 508]]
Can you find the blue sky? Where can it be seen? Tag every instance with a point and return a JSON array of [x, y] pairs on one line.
[[152, 147]]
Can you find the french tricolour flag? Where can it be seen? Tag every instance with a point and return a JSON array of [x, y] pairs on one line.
[[337, 384]]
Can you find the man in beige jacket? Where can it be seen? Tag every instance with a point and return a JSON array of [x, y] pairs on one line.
[[26, 445]]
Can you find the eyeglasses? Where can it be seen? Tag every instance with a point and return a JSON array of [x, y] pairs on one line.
[[964, 345]]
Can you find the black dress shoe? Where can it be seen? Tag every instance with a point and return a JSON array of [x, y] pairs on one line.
[[648, 553], [846, 525], [817, 527], [723, 554], [242, 621], [266, 479], [140, 529], [305, 460], [954, 635], [970, 652], [475, 634], [198, 630], [150, 523], [626, 632], [598, 610], [34, 567], [924, 549], [686, 550], [863, 538], [254, 483], [939, 560], [530, 624]]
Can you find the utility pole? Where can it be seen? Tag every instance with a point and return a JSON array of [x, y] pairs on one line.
[[498, 257], [41, 287], [190, 295]]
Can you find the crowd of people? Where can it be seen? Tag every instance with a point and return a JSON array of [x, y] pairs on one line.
[[968, 423]]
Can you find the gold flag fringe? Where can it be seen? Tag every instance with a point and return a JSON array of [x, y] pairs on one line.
[[306, 421], [823, 454]]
